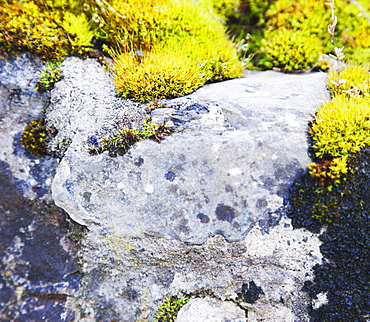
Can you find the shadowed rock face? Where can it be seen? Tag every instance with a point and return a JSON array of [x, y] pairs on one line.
[[38, 270]]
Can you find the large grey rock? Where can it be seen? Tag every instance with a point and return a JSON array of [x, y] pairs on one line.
[[223, 173], [202, 212]]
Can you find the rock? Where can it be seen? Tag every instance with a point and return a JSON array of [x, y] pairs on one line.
[[202, 214], [38, 268], [209, 309], [204, 210]]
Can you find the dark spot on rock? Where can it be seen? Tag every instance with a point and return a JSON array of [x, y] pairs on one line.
[[87, 196], [164, 277], [251, 292], [184, 221], [139, 161], [236, 225], [204, 219], [170, 175], [69, 186], [183, 229], [225, 213], [93, 140], [261, 203], [172, 189], [130, 294], [228, 188]]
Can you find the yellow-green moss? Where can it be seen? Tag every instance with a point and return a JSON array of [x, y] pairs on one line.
[[356, 81], [34, 138], [46, 28], [340, 130], [167, 311], [164, 48], [49, 75], [310, 18], [290, 50], [121, 141]]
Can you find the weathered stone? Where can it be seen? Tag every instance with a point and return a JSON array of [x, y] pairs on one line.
[[203, 211], [200, 214], [38, 269], [211, 310]]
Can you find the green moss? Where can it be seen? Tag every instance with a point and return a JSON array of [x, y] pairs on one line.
[[49, 75], [340, 130], [356, 81], [309, 19], [34, 138], [120, 142], [290, 50], [46, 28], [167, 311], [341, 127], [162, 48]]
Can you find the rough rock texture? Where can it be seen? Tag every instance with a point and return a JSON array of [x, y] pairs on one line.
[[38, 269], [202, 212], [211, 310]]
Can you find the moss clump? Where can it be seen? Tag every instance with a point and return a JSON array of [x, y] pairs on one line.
[[49, 75], [50, 29], [356, 81], [308, 19], [34, 138], [162, 48], [340, 130], [120, 142], [290, 50], [172, 53], [341, 127], [167, 311], [156, 75]]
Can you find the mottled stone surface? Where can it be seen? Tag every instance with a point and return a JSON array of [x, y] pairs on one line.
[[38, 267], [200, 214], [209, 309], [203, 211]]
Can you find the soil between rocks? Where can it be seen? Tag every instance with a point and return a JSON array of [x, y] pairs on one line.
[[345, 272]]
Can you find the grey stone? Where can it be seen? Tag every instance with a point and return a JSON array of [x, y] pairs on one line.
[[203, 211], [38, 266], [209, 309], [201, 214]]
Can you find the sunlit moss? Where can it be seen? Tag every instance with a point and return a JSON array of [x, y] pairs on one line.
[[167, 311], [356, 81], [49, 75], [340, 130], [290, 50]]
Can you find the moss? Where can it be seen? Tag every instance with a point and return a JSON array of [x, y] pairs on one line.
[[167, 311], [310, 18], [341, 127], [290, 50], [356, 81], [34, 138], [120, 142], [162, 48], [48, 29], [49, 75]]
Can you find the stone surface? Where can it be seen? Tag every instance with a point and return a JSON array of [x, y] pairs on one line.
[[38, 267], [200, 214], [210, 310]]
